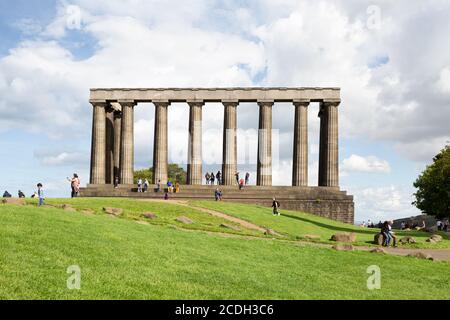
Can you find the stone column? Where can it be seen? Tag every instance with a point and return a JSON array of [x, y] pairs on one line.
[[127, 142], [109, 157], [229, 156], [264, 166], [98, 146], [194, 166], [329, 148], [160, 152], [300, 158], [117, 141]]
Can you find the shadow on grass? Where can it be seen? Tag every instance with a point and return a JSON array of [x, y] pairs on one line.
[[330, 227]]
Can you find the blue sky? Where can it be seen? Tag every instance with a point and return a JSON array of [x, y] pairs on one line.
[[388, 58]]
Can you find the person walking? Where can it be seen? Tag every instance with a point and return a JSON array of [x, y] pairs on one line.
[[247, 178], [207, 178], [219, 178], [146, 185], [275, 206], [40, 194], [237, 177]]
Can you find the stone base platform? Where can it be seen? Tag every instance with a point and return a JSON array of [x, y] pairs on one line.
[[326, 202]]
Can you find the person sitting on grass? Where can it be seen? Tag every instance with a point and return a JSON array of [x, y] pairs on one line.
[[218, 195], [6, 194], [21, 194]]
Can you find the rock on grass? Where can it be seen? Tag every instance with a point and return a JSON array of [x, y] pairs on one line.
[[184, 220]]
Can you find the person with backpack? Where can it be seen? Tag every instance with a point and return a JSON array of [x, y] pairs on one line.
[[275, 206]]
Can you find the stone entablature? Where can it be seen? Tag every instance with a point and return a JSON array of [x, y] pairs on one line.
[[217, 94]]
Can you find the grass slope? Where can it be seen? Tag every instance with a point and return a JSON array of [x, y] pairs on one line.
[[121, 259], [296, 225]]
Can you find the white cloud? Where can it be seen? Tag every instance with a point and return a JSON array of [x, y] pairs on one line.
[[383, 203], [356, 163]]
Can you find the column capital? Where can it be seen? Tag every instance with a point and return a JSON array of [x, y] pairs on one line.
[[116, 106], [128, 103], [102, 103], [200, 103], [334, 103], [266, 103], [232, 103], [161, 103], [302, 102]]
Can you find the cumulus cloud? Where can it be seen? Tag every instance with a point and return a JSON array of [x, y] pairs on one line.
[[62, 158], [356, 163], [383, 203]]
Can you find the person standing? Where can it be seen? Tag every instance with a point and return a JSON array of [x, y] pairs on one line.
[[146, 185], [139, 184], [116, 182], [158, 186], [241, 184], [247, 178], [237, 177], [275, 206], [207, 178], [212, 178], [75, 185], [40, 194], [219, 178]]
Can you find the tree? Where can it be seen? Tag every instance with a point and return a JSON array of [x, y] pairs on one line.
[[175, 173], [433, 186]]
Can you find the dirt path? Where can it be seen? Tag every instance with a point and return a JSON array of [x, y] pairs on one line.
[[243, 223]]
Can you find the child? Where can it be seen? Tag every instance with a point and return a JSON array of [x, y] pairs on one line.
[[40, 194]]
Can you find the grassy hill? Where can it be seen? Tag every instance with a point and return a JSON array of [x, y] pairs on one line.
[[126, 258]]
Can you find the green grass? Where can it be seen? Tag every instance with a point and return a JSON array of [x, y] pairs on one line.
[[296, 225], [121, 259], [166, 212]]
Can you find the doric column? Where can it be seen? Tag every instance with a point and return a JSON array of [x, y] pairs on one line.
[[98, 146], [160, 152], [229, 156], [300, 158], [117, 140], [329, 147], [127, 142], [109, 153], [194, 166], [264, 166]]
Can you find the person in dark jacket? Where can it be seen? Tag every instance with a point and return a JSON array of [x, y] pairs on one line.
[[386, 234], [219, 178], [275, 206], [6, 194]]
